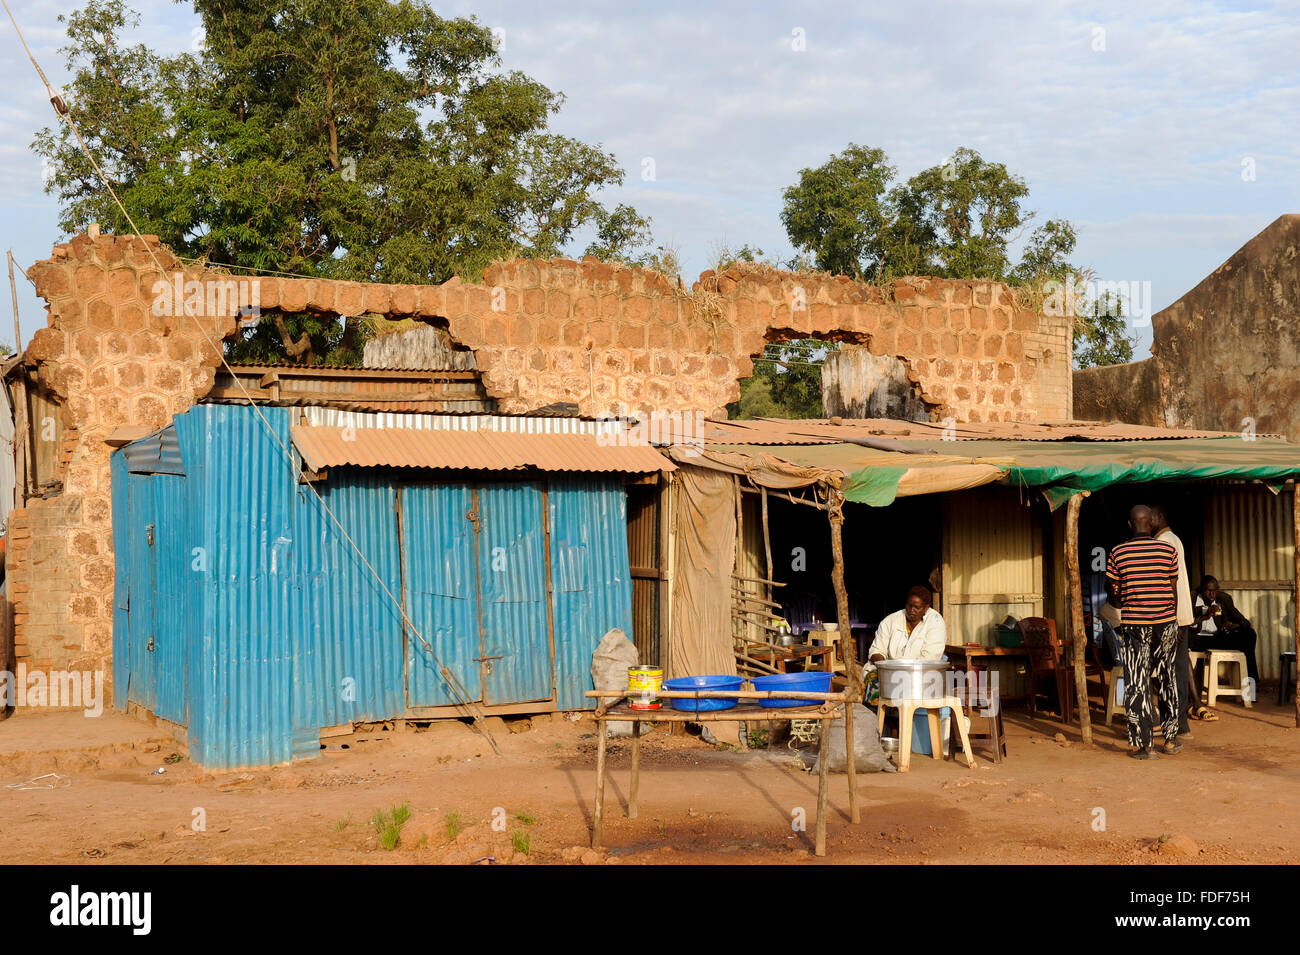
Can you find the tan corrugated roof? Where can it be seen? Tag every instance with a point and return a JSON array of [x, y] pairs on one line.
[[470, 450], [778, 431]]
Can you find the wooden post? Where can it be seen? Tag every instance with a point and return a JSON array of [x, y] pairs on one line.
[[854, 815], [1295, 610], [13, 292], [823, 768], [598, 817], [636, 769], [1076, 613], [853, 670], [767, 545]]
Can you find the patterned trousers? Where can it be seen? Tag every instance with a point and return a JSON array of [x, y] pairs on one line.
[[1149, 652]]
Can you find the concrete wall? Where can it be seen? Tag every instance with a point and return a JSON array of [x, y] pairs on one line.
[[1225, 352], [607, 338]]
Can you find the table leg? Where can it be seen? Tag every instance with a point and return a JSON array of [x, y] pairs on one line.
[[597, 818], [636, 769], [823, 769], [853, 769]]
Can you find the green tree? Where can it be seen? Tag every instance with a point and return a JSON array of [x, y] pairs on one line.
[[787, 381], [369, 140], [957, 220], [1101, 334], [838, 212]]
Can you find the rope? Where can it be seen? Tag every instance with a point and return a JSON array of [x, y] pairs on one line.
[[453, 681]]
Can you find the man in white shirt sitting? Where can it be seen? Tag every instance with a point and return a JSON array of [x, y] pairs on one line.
[[917, 632]]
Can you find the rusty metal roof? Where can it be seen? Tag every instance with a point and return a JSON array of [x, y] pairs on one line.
[[780, 431], [470, 451]]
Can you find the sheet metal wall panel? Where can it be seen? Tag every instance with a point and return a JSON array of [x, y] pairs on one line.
[[177, 590], [348, 633], [121, 579], [587, 516], [441, 593], [512, 589], [1248, 540], [241, 677], [142, 676]]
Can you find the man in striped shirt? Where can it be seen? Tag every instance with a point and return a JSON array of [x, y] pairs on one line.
[[1141, 580]]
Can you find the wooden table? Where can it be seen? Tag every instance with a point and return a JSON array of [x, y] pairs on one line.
[[968, 655], [780, 658], [824, 707]]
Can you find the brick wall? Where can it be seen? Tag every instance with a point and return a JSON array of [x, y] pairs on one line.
[[608, 338]]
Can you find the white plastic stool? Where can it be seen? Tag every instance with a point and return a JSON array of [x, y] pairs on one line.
[[907, 710], [1213, 688]]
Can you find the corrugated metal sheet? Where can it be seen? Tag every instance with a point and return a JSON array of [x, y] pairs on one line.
[[587, 516], [441, 592], [775, 431], [316, 415], [281, 630], [158, 453], [1249, 548], [512, 593], [992, 567], [469, 451]]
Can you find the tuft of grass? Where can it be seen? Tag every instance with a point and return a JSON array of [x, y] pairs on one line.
[[758, 739], [343, 823], [522, 841], [525, 818], [389, 824], [455, 823]]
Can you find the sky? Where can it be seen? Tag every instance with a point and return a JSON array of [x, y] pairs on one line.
[[1165, 131]]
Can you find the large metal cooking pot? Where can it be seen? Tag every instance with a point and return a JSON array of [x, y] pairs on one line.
[[791, 639], [912, 679]]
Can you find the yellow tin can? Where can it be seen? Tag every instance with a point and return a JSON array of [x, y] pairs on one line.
[[643, 686]]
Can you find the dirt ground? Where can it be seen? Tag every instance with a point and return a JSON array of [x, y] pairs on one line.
[[1231, 796]]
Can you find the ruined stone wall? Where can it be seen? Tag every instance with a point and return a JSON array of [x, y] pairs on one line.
[[607, 338], [1224, 354]]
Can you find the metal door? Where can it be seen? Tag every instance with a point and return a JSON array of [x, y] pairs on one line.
[[173, 578], [440, 594], [142, 680], [515, 628]]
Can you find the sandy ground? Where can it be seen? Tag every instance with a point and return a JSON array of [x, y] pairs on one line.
[[1232, 796]]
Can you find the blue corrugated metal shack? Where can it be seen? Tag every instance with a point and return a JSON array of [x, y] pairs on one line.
[[244, 615]]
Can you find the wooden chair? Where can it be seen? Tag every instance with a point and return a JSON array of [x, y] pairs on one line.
[[1044, 648]]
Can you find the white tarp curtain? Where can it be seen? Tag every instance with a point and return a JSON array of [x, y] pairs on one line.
[[704, 542]]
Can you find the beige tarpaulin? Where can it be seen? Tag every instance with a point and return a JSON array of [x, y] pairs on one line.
[[704, 542]]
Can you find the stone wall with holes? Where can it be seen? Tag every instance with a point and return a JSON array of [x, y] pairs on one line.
[[606, 338]]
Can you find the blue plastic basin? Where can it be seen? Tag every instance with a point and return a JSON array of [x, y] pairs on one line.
[[703, 683], [810, 682]]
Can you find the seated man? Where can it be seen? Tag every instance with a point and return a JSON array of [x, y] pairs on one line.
[[1221, 626], [917, 632]]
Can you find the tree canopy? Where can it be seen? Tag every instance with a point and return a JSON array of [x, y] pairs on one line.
[[367, 140]]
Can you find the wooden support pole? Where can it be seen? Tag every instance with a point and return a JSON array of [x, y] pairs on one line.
[[598, 816], [636, 769], [1076, 613], [767, 545], [854, 815], [13, 292], [851, 667], [1295, 610], [823, 769]]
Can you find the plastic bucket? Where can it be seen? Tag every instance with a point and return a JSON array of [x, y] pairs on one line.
[[808, 682], [643, 685], [703, 683], [921, 731]]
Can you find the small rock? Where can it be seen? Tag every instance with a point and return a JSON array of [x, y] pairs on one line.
[[573, 853], [150, 747], [1060, 738], [1179, 845], [520, 726], [592, 857]]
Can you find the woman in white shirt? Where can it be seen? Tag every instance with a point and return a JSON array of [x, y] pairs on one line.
[[917, 632]]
